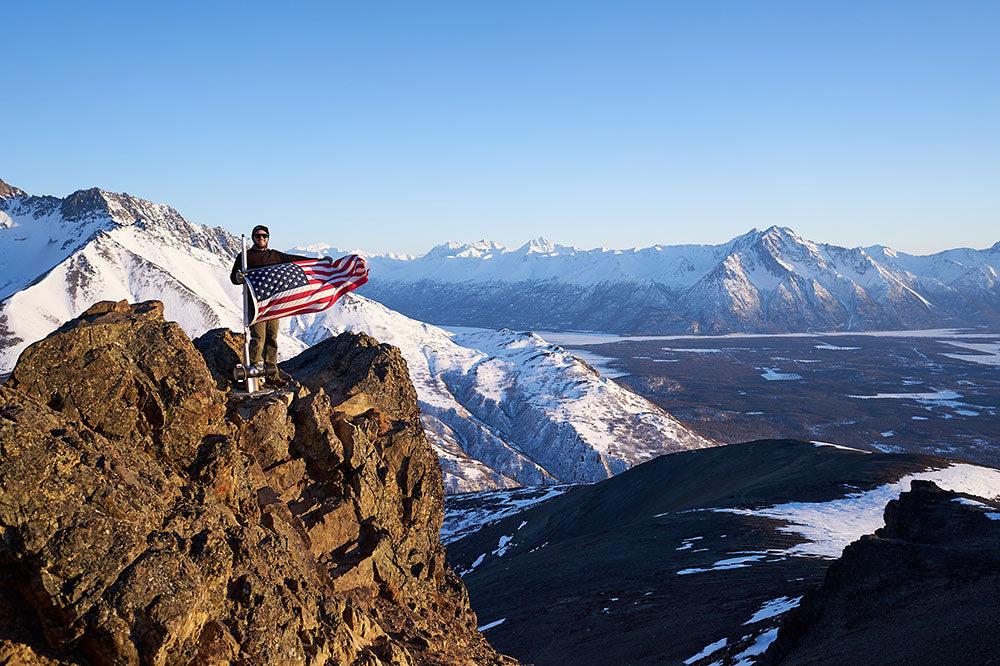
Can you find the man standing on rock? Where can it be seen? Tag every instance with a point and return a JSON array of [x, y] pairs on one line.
[[263, 334]]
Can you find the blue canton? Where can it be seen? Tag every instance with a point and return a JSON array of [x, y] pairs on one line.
[[270, 280]]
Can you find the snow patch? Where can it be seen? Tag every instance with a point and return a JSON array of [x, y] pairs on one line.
[[968, 502], [706, 651], [990, 352], [773, 608], [839, 446], [503, 545], [759, 646], [729, 563], [773, 375], [942, 394], [828, 346], [686, 544], [829, 526], [496, 623]]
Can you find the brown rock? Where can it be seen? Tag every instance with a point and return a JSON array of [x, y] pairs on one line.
[[146, 520], [358, 373], [128, 375], [222, 349]]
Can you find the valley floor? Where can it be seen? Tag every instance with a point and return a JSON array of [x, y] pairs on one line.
[[935, 392]]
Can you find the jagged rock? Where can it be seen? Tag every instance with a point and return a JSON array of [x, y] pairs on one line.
[[222, 350], [126, 373], [921, 590], [9, 191], [357, 372], [145, 519]]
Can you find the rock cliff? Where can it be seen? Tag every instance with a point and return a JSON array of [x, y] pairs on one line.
[[149, 517], [921, 590]]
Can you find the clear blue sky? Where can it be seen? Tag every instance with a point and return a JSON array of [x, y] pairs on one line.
[[395, 125]]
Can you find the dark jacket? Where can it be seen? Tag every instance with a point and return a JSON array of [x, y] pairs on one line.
[[257, 258]]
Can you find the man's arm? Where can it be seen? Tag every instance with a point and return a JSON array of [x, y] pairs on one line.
[[236, 276], [285, 258]]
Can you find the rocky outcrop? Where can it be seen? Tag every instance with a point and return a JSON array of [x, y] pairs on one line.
[[149, 517], [921, 590], [222, 349], [9, 191]]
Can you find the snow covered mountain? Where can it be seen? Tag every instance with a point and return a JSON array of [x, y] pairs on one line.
[[505, 409], [502, 409], [762, 281], [59, 256]]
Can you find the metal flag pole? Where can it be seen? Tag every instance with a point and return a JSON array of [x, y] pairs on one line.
[[252, 382]]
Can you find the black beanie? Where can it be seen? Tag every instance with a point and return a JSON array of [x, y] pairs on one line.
[[260, 227]]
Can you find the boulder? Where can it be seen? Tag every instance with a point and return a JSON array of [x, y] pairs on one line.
[[126, 373], [149, 518], [358, 373]]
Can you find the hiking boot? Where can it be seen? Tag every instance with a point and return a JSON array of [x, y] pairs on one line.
[[273, 378]]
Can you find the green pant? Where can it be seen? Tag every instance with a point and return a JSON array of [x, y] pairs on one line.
[[267, 349]]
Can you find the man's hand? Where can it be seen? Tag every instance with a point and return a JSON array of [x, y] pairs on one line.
[[240, 277]]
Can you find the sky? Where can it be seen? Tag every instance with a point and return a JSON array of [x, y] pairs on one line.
[[396, 125]]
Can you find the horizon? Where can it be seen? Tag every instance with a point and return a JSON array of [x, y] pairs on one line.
[[389, 127], [521, 245]]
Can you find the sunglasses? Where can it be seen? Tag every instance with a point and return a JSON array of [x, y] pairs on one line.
[[260, 235]]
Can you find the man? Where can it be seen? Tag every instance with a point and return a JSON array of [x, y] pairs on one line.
[[263, 334]]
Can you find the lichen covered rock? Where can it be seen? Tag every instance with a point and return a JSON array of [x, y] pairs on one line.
[[149, 518]]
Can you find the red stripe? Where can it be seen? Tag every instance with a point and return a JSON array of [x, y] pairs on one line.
[[328, 300]]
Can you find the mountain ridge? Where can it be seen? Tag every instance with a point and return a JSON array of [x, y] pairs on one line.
[[763, 281], [691, 550]]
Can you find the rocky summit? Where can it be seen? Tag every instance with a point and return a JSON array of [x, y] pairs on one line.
[[152, 516]]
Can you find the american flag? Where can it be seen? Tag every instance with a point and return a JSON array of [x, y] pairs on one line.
[[282, 290]]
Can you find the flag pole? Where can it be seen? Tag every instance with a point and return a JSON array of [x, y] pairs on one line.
[[250, 381]]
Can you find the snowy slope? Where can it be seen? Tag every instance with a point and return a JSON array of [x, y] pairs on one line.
[[762, 281], [501, 409], [59, 256], [530, 412]]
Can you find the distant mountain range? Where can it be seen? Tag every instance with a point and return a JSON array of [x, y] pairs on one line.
[[770, 281], [502, 409]]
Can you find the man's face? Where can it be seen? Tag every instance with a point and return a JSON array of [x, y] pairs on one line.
[[260, 239]]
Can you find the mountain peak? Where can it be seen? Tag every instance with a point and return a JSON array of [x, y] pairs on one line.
[[9, 191], [540, 245], [477, 250], [775, 231], [84, 203]]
